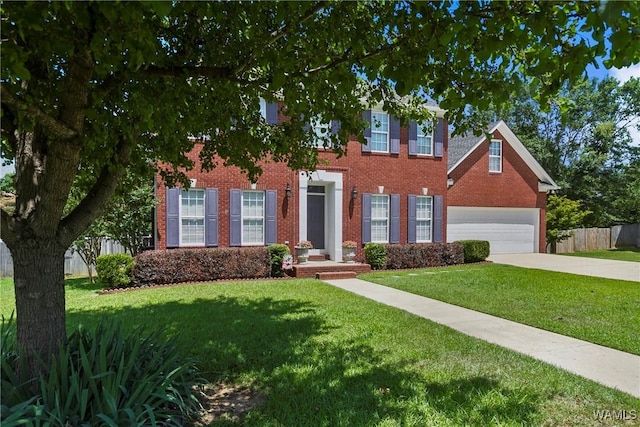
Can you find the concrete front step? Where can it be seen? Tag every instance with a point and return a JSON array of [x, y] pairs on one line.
[[311, 268]]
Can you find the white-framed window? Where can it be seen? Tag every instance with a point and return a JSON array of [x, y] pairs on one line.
[[321, 132], [424, 215], [263, 108], [192, 217], [424, 144], [495, 155], [380, 218], [379, 132], [252, 218]]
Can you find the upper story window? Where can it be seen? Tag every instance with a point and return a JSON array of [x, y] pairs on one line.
[[321, 132], [495, 156], [263, 108], [380, 218], [424, 144], [379, 132], [424, 209], [192, 217], [253, 217]]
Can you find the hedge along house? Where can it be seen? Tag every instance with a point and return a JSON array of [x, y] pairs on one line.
[[391, 190], [497, 192]]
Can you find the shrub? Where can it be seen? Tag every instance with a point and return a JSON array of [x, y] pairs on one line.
[[114, 271], [475, 250], [375, 255], [422, 255], [200, 265], [277, 251], [103, 377]]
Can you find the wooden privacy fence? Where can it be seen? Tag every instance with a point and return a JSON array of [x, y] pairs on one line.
[[73, 264], [591, 239]]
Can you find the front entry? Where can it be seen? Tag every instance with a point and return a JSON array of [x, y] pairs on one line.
[[315, 216]]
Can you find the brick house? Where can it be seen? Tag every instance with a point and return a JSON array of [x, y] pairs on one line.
[[497, 192], [391, 190], [406, 185]]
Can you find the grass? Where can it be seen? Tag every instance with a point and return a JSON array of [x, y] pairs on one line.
[[601, 311], [619, 254], [325, 357]]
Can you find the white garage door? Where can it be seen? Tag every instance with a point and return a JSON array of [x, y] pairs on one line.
[[508, 230]]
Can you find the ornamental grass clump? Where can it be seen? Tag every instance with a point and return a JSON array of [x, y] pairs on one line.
[[104, 376]]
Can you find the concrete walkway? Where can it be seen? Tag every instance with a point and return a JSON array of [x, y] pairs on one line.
[[611, 269], [613, 368]]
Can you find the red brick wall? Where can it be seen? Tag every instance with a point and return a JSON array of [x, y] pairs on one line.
[[398, 173], [516, 186]]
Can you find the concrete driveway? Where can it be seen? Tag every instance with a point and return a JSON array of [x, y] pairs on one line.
[[621, 270]]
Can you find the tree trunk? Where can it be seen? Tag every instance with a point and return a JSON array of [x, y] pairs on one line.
[[38, 268]]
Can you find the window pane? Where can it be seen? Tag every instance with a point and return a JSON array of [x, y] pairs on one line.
[[263, 109], [380, 218], [192, 231], [423, 231], [252, 217], [379, 231], [494, 164], [423, 207], [379, 132], [192, 217], [425, 139]]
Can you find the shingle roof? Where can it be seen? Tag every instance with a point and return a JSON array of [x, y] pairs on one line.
[[459, 146]]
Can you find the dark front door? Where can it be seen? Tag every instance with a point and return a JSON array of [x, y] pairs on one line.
[[315, 216]]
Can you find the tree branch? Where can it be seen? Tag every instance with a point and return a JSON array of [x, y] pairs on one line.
[[96, 199], [278, 34], [6, 227], [57, 128]]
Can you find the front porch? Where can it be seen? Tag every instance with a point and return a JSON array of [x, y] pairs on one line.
[[327, 269]]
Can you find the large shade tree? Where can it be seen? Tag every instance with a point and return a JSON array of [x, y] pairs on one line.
[[102, 89]]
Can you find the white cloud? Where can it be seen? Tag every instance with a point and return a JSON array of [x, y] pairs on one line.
[[624, 74]]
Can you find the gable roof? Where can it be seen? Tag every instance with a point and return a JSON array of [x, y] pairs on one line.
[[460, 147]]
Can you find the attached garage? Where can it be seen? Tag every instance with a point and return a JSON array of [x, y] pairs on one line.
[[508, 230]]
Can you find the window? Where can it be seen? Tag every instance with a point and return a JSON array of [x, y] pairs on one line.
[[424, 144], [320, 132], [192, 217], [253, 218], [423, 218], [380, 218], [263, 108], [379, 132], [495, 156]]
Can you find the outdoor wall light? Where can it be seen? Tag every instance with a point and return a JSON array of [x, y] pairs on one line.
[[354, 193], [287, 191]]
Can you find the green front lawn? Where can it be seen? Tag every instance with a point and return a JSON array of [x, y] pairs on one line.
[[620, 254], [325, 357], [602, 311]]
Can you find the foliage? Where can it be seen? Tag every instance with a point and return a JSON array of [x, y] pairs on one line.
[[89, 246], [114, 270], [420, 255], [200, 265], [582, 139], [349, 244], [128, 215], [563, 215], [277, 252], [103, 377], [375, 255], [103, 90], [475, 250], [7, 183]]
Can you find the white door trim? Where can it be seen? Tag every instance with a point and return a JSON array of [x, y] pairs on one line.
[[333, 204]]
